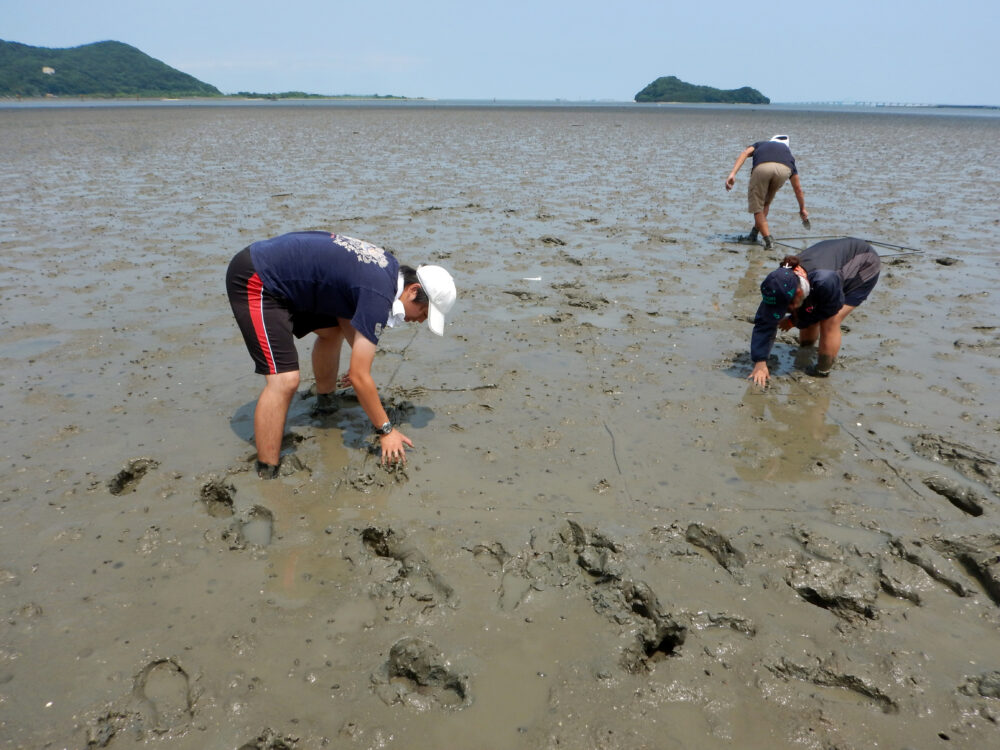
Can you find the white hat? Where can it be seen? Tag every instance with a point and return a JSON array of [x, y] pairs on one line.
[[781, 139], [440, 290]]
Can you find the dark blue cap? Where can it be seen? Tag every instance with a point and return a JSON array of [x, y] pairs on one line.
[[777, 290]]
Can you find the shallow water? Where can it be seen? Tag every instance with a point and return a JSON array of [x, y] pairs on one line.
[[609, 393]]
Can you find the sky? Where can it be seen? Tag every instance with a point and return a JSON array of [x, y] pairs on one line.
[[887, 51]]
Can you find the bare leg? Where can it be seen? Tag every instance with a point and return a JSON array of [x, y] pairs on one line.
[[808, 336], [829, 341], [269, 416], [830, 333], [326, 358], [760, 221]]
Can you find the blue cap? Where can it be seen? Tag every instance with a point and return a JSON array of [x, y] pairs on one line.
[[777, 291]]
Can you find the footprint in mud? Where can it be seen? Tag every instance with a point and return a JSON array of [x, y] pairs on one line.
[[422, 582], [217, 496], [162, 692], [417, 674], [658, 634], [258, 526], [254, 529], [128, 478], [654, 633]]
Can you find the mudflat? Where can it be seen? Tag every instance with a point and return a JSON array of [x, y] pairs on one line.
[[605, 536]]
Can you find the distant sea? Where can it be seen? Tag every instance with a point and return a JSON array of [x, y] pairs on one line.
[[912, 109]]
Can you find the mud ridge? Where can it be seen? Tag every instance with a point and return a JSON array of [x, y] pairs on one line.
[[968, 461], [965, 499], [824, 676], [979, 557]]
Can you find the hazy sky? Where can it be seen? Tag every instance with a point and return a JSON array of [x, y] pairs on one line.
[[913, 51]]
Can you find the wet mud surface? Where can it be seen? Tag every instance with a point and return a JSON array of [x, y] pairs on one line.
[[605, 537]]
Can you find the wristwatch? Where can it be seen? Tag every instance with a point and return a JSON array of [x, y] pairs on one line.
[[384, 429]]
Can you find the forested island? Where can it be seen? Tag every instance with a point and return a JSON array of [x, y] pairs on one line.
[[673, 89], [111, 70], [106, 69]]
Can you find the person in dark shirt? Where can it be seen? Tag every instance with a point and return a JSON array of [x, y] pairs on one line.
[[773, 165], [813, 292], [341, 289]]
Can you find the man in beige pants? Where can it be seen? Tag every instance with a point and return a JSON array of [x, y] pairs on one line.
[[773, 165]]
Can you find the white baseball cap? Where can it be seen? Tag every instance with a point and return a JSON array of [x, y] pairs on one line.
[[781, 139], [440, 290]]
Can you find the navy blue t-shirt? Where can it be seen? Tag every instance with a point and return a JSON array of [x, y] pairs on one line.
[[330, 276], [830, 266], [765, 151]]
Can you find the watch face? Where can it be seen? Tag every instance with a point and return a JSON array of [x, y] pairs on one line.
[[386, 428]]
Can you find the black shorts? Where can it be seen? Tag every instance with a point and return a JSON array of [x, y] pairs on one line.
[[269, 325], [860, 277]]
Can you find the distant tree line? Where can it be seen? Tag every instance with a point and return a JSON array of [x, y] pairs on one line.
[[672, 89], [303, 95], [111, 69]]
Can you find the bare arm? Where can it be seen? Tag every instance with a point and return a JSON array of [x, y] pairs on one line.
[[800, 196], [744, 155], [360, 375]]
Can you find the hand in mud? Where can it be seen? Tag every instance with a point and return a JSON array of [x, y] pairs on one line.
[[344, 381], [759, 374], [392, 447]]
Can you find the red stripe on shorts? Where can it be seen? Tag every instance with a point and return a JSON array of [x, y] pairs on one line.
[[256, 301]]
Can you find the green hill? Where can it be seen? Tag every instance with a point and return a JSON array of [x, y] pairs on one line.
[[107, 69], [673, 89]]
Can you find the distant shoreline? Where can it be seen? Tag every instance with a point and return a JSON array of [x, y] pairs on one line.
[[13, 102]]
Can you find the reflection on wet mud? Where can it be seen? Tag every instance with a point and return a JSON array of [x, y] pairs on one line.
[[785, 437]]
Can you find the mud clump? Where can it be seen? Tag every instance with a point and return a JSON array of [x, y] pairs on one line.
[[836, 587], [986, 685], [271, 740], [718, 546], [417, 674], [128, 478]]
